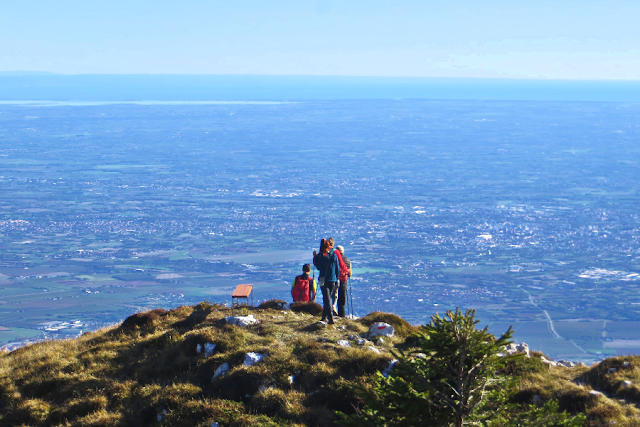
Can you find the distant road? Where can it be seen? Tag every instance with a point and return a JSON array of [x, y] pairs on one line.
[[553, 330], [549, 321]]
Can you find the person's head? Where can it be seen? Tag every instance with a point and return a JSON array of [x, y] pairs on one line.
[[306, 268], [330, 242], [341, 249], [326, 246]]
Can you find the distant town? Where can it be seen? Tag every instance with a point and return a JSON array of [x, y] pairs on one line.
[[529, 217]]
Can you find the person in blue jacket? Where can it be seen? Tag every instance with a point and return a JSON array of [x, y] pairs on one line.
[[328, 267]]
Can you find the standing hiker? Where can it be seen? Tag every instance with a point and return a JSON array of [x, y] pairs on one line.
[[328, 275], [343, 272], [340, 292], [303, 288]]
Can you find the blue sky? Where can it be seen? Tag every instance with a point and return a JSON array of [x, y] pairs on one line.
[[498, 39]]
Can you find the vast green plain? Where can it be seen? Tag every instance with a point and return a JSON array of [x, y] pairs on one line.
[[525, 211]]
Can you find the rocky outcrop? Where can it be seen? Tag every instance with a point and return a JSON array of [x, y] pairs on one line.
[[241, 320], [381, 329]]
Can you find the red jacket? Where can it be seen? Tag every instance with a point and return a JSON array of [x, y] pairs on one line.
[[344, 271]]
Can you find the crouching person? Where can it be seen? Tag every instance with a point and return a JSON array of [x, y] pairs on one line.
[[303, 288]]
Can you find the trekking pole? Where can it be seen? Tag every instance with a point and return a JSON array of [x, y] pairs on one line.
[[314, 281], [351, 297], [347, 297]]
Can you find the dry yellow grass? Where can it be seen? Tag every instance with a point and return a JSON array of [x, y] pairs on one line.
[[148, 367], [574, 394]]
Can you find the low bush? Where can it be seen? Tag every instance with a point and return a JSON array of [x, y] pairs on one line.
[[273, 304], [145, 320], [576, 400], [518, 365], [310, 307]]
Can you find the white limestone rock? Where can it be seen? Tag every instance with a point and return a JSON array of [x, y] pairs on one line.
[[381, 329], [344, 343], [222, 369], [566, 363], [209, 349], [548, 362], [514, 348], [252, 358], [242, 320], [160, 414], [375, 350], [389, 368]]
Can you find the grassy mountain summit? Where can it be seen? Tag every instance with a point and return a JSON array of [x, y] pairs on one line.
[[159, 368]]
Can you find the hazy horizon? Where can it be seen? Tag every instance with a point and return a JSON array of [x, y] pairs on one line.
[[39, 86], [23, 73]]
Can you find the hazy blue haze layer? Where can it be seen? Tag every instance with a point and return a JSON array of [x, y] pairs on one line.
[[97, 87]]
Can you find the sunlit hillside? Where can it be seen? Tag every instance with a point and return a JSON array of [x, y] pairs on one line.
[[161, 368]]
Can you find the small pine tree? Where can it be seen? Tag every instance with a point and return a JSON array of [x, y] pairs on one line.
[[452, 379], [442, 382], [463, 361]]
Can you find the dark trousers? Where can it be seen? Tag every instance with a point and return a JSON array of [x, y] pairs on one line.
[[342, 298], [327, 290]]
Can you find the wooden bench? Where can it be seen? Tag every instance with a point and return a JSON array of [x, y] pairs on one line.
[[242, 292]]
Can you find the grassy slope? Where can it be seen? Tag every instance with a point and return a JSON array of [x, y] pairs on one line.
[[129, 374]]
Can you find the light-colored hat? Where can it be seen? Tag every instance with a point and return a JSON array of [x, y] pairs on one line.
[[340, 248]]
